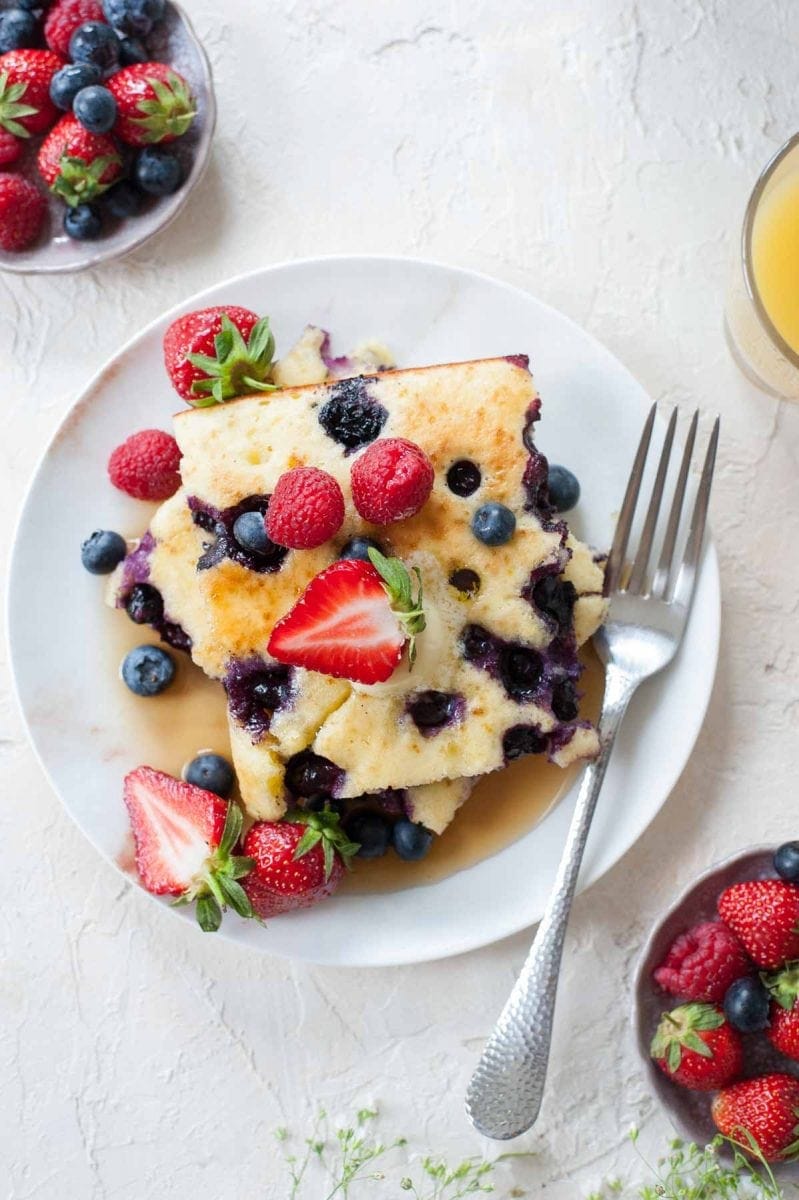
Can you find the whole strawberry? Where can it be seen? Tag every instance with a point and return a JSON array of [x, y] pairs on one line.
[[154, 104], [185, 838], [25, 78], [696, 1047], [764, 915], [77, 165], [64, 18], [216, 353], [763, 1111], [783, 1030], [146, 465], [298, 861], [23, 211], [702, 963]]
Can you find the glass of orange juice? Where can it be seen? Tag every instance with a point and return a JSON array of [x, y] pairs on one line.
[[762, 308]]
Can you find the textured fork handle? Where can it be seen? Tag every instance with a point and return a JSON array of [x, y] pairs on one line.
[[506, 1090]]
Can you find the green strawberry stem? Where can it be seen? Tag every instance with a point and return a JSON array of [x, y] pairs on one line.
[[78, 181], [216, 888], [783, 985], [11, 110], [398, 586], [238, 366], [323, 828], [679, 1030], [170, 113]]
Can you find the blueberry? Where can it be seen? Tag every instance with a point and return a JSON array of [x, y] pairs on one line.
[[476, 643], [371, 831], [431, 710], [147, 670], [212, 772], [255, 691], [95, 108], [521, 740], [564, 489], [465, 580], [18, 29], [132, 51], [31, 5], [786, 862], [102, 552], [145, 604], [520, 668], [746, 1004], [555, 598], [158, 172], [493, 524], [249, 531], [307, 774], [463, 477], [95, 42], [271, 690], [350, 417], [71, 79], [83, 222], [358, 547], [123, 200], [134, 17], [564, 700], [411, 841]]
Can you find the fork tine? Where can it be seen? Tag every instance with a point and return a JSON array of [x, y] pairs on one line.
[[618, 550], [663, 571], [638, 574], [686, 579]]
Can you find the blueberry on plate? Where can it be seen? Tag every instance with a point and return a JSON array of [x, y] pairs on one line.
[[132, 51], [71, 79], [786, 862], [95, 42], [249, 530], [564, 489], [212, 772], [83, 223], [411, 841], [95, 108], [359, 547], [134, 18], [148, 670], [493, 524], [123, 200], [18, 29], [103, 551], [746, 1004], [158, 172], [371, 831]]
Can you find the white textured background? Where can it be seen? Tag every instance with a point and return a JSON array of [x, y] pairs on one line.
[[597, 152]]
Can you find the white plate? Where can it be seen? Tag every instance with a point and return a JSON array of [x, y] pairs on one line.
[[592, 416]]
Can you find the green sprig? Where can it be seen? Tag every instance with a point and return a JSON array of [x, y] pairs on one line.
[[407, 607]]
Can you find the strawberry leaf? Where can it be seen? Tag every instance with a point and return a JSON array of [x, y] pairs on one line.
[[238, 367], [407, 608], [209, 914]]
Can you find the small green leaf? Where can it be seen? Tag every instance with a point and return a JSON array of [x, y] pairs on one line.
[[309, 839], [209, 914]]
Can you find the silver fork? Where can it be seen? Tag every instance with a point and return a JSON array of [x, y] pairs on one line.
[[645, 625]]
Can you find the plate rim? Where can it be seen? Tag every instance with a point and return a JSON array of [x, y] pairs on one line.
[[465, 943]]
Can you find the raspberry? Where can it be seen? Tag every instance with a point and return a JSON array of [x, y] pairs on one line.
[[702, 963], [306, 509], [10, 148], [391, 480], [22, 212], [64, 18], [146, 465]]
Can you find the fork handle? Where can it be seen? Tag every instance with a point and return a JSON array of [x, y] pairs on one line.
[[505, 1093]]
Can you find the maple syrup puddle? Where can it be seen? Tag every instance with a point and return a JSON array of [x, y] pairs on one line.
[[170, 729]]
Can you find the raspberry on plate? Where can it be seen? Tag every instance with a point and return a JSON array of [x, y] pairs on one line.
[[702, 963], [146, 465], [64, 18], [392, 480], [306, 509], [23, 210]]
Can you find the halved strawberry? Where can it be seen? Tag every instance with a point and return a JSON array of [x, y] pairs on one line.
[[352, 621], [184, 839]]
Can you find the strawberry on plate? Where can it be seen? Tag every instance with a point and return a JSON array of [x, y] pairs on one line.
[[77, 165], [185, 838], [761, 1116], [353, 621], [297, 862], [216, 353], [25, 78], [154, 104], [702, 963], [764, 916], [695, 1046]]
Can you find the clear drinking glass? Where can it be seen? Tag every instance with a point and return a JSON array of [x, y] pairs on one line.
[[757, 346]]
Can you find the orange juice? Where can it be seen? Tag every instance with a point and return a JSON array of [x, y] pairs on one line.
[[775, 255]]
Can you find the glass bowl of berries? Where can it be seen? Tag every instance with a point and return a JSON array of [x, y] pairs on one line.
[[107, 114], [716, 1005]]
